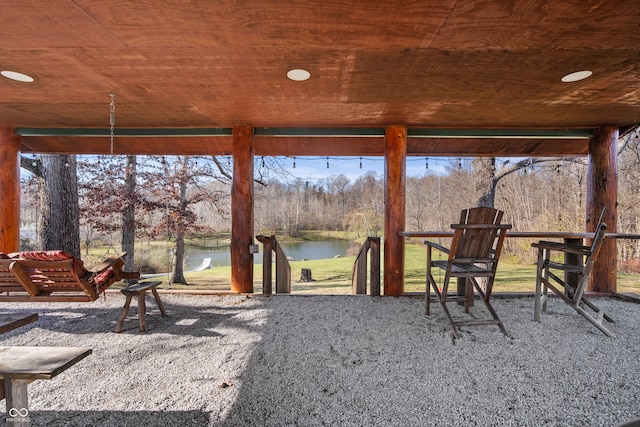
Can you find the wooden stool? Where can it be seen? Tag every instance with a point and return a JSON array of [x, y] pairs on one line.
[[139, 290]]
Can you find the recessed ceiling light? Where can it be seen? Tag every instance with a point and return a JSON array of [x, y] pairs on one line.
[[577, 76], [14, 75], [298, 75]]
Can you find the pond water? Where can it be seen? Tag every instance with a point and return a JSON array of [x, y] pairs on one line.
[[321, 249]]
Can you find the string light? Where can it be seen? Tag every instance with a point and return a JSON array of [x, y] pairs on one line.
[[426, 163], [360, 162], [294, 162]]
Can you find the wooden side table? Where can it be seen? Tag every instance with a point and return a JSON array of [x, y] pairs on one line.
[[139, 290], [21, 365]]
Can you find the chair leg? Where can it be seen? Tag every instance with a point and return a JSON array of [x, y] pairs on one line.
[[538, 298], [487, 303], [454, 328], [600, 312], [441, 299], [427, 296], [593, 321]]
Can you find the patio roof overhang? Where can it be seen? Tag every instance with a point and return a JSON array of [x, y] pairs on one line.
[[429, 64], [408, 68]]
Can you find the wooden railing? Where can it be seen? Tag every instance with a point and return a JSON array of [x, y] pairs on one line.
[[283, 269], [359, 273]]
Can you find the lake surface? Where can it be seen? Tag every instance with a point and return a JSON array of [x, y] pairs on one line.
[[298, 251]]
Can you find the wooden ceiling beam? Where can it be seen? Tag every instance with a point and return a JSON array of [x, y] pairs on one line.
[[309, 142]]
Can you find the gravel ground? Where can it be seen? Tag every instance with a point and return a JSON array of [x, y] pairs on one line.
[[331, 360]]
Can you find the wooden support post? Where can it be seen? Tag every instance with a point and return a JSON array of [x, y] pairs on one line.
[[602, 192], [242, 210], [395, 155], [9, 191]]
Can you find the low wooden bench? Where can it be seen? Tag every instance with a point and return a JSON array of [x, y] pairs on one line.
[[139, 290]]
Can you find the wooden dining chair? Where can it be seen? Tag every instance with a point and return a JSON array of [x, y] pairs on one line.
[[473, 256], [548, 277]]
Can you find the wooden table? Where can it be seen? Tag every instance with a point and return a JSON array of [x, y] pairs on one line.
[[9, 322], [21, 365]]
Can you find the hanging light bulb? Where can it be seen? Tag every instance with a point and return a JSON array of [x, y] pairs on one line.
[[360, 162], [327, 162], [426, 163], [262, 163], [459, 163], [558, 169], [294, 162]]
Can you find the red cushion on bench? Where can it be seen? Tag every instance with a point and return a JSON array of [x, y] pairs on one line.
[[103, 276], [46, 255]]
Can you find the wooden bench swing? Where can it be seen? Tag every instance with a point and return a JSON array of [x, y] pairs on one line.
[[57, 276]]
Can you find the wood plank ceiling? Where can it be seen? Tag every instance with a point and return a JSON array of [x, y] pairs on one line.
[[467, 64]]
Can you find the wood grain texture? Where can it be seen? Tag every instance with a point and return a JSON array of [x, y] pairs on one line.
[[198, 64], [242, 210], [9, 191], [394, 209], [602, 193]]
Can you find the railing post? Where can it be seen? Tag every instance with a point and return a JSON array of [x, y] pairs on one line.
[[283, 270], [267, 263], [374, 275], [359, 272]]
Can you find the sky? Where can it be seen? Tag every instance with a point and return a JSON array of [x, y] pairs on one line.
[[315, 168]]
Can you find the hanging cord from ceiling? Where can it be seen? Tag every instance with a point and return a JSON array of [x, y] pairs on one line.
[[112, 119]]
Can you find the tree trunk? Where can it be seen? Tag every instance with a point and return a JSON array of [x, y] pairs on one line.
[[486, 181], [60, 224], [128, 214], [177, 270]]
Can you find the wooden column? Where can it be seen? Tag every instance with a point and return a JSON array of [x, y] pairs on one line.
[[9, 190], [395, 155], [602, 192], [242, 210]]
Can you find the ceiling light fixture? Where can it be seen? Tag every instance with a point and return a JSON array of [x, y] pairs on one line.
[[577, 76], [14, 75], [298, 75]]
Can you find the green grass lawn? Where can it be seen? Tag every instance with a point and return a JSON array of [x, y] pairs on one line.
[[333, 276]]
